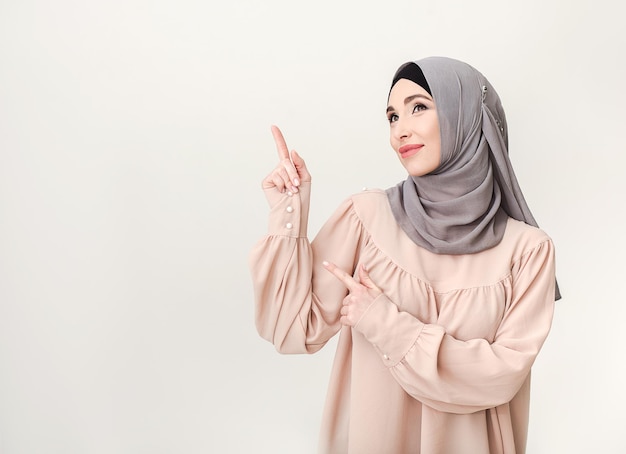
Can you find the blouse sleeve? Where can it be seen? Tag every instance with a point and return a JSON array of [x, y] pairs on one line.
[[297, 302], [457, 376]]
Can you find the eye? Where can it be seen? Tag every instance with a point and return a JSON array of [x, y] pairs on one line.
[[392, 117], [419, 107]]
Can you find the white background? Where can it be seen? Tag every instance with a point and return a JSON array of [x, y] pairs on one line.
[[133, 139]]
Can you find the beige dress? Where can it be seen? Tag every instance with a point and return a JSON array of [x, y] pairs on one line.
[[440, 363]]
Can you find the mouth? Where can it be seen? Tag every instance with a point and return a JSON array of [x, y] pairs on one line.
[[409, 150]]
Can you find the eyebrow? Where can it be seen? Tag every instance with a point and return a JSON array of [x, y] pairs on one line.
[[409, 99]]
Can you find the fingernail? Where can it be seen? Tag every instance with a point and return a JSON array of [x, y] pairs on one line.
[[296, 182], [294, 189]]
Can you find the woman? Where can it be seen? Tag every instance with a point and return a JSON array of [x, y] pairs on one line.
[[453, 288]]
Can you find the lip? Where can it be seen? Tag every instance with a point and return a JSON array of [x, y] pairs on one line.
[[409, 150]]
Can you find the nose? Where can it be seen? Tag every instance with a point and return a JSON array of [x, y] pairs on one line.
[[401, 131]]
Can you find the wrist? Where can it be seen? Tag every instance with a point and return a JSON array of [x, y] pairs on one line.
[[289, 211]]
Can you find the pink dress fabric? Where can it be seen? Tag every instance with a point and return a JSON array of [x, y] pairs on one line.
[[440, 363]]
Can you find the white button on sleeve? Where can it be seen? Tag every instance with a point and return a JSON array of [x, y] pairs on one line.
[[289, 212]]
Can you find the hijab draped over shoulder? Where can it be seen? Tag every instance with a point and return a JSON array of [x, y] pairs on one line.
[[462, 206]]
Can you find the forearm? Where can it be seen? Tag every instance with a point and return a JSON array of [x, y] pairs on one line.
[[443, 372], [297, 302]]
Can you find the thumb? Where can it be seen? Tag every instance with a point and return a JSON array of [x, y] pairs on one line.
[[296, 159], [366, 280], [300, 166]]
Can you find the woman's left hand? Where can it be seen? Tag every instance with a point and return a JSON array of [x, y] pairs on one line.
[[361, 295]]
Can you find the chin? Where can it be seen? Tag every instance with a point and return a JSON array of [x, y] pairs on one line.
[[417, 172], [420, 170]]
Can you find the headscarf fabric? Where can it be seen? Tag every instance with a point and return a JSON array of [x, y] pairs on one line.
[[463, 205]]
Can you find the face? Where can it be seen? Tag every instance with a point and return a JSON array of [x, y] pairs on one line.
[[414, 128]]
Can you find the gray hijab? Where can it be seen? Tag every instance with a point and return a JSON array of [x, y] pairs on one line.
[[462, 206]]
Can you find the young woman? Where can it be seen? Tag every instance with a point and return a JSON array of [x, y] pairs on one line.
[[442, 287]]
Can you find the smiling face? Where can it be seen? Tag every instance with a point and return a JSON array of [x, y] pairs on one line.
[[414, 128]]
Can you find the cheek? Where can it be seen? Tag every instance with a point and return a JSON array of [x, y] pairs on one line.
[[392, 141], [436, 134]]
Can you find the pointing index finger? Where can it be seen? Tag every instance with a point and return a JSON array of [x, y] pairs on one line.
[[281, 145], [350, 283]]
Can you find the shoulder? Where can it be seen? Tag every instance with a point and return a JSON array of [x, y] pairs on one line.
[[369, 194], [369, 200], [372, 208], [521, 233], [521, 239], [371, 212], [368, 209]]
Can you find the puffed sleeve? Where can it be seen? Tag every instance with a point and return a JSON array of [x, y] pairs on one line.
[[297, 301], [457, 376]]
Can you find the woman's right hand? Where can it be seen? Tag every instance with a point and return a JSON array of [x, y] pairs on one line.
[[291, 170]]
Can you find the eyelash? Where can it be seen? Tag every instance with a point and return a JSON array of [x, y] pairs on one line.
[[392, 117]]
